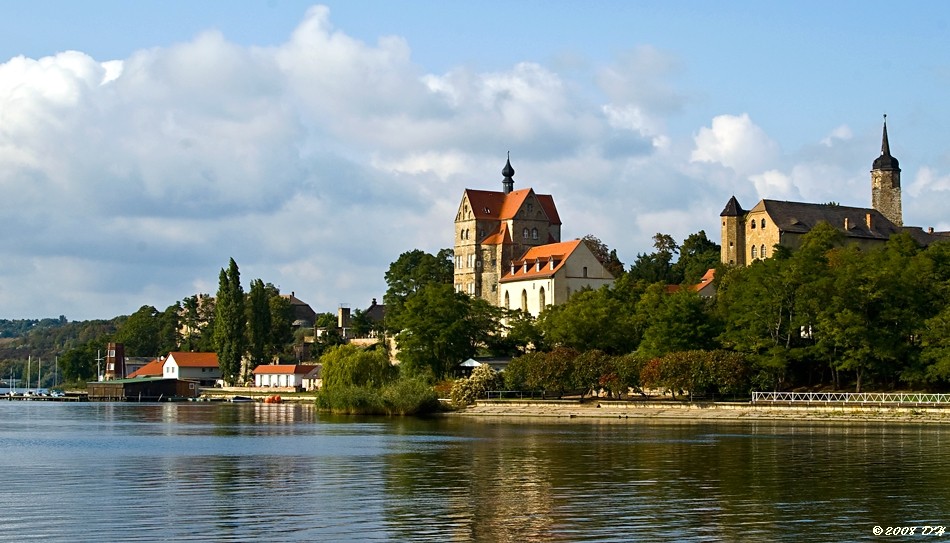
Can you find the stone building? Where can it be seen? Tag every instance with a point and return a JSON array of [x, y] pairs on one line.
[[504, 239], [749, 235]]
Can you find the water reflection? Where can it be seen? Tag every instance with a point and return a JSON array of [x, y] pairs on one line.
[[222, 472]]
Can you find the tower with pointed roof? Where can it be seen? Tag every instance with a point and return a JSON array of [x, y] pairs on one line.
[[733, 233], [886, 183]]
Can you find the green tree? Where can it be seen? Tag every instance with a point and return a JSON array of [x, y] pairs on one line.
[[439, 330], [351, 366], [591, 319], [657, 267], [258, 324], [169, 336], [281, 324], [140, 332], [412, 271], [674, 322], [230, 322], [697, 255]]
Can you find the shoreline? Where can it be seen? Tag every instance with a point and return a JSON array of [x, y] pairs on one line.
[[702, 411]]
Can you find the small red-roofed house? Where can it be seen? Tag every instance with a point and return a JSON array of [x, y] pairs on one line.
[[282, 375], [201, 367], [706, 287]]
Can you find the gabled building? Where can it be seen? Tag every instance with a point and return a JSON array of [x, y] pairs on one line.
[[749, 235], [508, 249], [201, 367], [548, 274]]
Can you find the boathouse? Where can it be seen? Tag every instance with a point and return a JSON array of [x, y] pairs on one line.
[[141, 389]]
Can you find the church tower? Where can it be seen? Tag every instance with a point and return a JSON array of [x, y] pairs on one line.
[[886, 183]]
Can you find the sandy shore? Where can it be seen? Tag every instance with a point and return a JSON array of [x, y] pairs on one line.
[[702, 411]]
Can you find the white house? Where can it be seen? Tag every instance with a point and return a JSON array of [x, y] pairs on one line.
[[281, 375], [201, 367], [549, 274]]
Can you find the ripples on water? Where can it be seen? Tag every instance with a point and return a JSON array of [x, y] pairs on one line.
[[255, 472]]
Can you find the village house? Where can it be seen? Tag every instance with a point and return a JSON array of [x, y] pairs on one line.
[[201, 367], [282, 375]]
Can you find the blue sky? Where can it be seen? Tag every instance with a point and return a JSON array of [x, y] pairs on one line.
[[142, 144]]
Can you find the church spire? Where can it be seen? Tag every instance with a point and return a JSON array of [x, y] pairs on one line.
[[885, 146], [886, 161], [508, 183]]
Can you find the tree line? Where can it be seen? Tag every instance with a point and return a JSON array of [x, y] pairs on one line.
[[826, 315]]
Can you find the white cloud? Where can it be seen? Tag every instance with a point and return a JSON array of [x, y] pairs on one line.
[[735, 142], [841, 133]]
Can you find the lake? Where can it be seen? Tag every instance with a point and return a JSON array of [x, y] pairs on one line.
[[256, 472]]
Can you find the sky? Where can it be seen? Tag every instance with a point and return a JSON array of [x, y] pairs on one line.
[[143, 144]]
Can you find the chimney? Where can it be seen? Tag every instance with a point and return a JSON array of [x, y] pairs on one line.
[[343, 317], [868, 218], [930, 230]]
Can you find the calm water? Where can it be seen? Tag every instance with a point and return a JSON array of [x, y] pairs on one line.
[[254, 472]]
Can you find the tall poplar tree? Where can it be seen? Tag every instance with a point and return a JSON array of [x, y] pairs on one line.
[[230, 322], [258, 323]]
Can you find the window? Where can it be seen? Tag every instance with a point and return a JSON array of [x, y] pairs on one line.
[[762, 224], [762, 251], [753, 250], [585, 271], [541, 298], [534, 233], [524, 300], [525, 233], [753, 224], [507, 301]]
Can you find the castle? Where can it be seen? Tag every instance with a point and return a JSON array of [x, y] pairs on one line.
[[749, 235], [508, 250]]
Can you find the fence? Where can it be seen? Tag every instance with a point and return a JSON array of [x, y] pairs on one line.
[[853, 398]]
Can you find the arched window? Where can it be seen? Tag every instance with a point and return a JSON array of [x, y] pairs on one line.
[[524, 301], [507, 300], [525, 233], [541, 298], [753, 251], [534, 233], [762, 223], [753, 224], [762, 251]]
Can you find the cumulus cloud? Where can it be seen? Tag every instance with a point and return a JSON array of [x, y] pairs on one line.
[[736, 142]]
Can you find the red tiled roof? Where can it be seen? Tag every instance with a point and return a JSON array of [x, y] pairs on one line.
[[557, 253], [285, 369], [490, 204], [152, 369], [195, 360]]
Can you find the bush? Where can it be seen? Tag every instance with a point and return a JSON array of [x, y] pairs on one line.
[[410, 396], [402, 397], [466, 390]]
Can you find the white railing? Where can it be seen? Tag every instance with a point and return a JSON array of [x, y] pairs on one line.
[[892, 398]]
